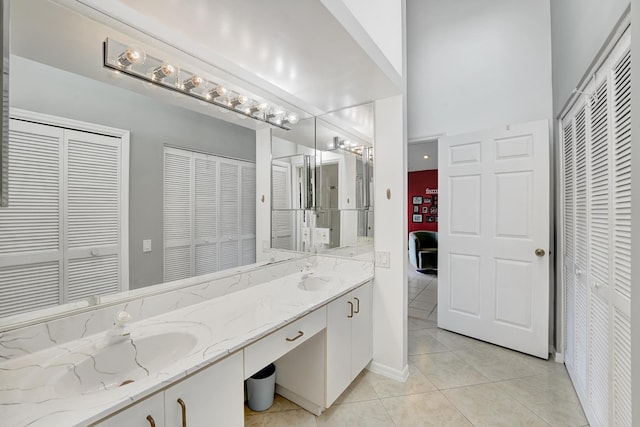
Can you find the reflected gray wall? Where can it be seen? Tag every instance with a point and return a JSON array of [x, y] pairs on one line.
[[40, 88]]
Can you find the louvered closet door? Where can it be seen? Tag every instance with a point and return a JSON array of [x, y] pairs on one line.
[[569, 241], [229, 221], [30, 240], [599, 238], [581, 268], [178, 216], [248, 214], [206, 214], [93, 220], [282, 218], [621, 107]]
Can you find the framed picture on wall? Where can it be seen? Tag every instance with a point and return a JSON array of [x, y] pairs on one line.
[[417, 218], [434, 210], [416, 209], [427, 200], [417, 200], [425, 209], [431, 219]]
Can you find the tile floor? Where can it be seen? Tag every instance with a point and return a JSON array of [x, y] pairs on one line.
[[453, 381]]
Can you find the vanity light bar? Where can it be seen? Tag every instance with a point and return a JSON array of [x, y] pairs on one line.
[[341, 144], [134, 62]]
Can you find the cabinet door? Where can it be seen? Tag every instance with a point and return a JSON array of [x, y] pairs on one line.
[[212, 397], [361, 343], [338, 347], [147, 413]]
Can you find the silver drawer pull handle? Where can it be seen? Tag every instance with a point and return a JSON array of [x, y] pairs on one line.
[[300, 333]]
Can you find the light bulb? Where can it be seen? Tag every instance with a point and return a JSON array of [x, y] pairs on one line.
[[217, 92], [131, 56], [161, 72], [192, 82], [291, 118], [426, 156], [257, 108], [275, 112], [238, 100]]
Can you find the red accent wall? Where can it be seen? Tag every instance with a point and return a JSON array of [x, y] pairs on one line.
[[418, 183]]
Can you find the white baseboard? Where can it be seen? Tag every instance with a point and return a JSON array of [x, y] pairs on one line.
[[389, 372], [314, 408], [558, 357]]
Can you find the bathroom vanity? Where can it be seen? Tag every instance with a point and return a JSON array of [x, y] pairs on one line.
[[189, 364]]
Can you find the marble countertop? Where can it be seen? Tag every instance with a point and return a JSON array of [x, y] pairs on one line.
[[45, 388]]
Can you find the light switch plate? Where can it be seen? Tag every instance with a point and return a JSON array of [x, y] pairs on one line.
[[146, 245], [383, 259]]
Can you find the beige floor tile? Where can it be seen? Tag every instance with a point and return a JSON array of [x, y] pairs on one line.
[[446, 370], [497, 363], [415, 323], [434, 314], [487, 405], [359, 390], [423, 305], [357, 414], [279, 404], [428, 295], [418, 313], [296, 417], [386, 387], [550, 396], [424, 409], [422, 342], [452, 340]]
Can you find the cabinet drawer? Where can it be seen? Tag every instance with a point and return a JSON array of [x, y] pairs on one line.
[[273, 346]]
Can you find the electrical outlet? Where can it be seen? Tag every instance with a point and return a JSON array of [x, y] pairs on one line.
[[383, 259]]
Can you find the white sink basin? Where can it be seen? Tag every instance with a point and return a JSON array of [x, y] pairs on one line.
[[123, 362], [316, 283]]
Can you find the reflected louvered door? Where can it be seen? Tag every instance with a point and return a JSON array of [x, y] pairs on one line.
[[282, 218], [30, 238], [92, 223], [621, 109], [178, 216], [569, 240], [206, 214], [599, 241], [229, 221], [581, 247], [248, 213]]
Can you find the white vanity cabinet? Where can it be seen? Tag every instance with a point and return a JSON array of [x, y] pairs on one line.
[[349, 343], [211, 397]]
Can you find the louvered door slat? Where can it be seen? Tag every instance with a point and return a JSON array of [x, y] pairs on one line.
[[599, 187], [32, 222], [177, 214], [29, 287], [229, 216], [93, 215], [569, 240], [621, 369], [248, 215], [206, 214], [581, 307], [599, 358]]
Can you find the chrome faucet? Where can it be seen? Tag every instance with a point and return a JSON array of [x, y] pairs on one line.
[[120, 329]]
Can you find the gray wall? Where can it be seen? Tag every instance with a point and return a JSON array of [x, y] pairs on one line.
[[579, 29], [40, 88]]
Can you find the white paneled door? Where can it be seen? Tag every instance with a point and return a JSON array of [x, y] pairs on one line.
[[493, 261]]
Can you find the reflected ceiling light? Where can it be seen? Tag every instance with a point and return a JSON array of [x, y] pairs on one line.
[[426, 156], [124, 59], [217, 92], [291, 118], [192, 82], [131, 56], [238, 100], [161, 72]]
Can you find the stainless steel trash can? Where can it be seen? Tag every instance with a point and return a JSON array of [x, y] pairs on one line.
[[261, 388]]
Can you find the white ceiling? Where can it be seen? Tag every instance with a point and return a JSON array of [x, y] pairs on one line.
[[416, 153]]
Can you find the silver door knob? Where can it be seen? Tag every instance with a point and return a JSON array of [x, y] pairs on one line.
[[539, 252]]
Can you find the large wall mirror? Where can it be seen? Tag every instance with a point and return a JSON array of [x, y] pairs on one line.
[[114, 184], [322, 184]]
